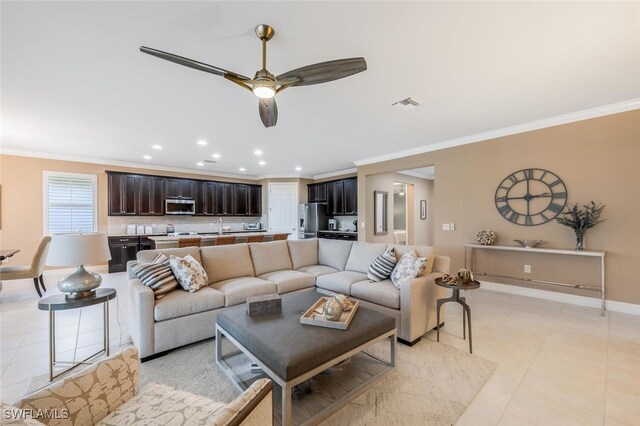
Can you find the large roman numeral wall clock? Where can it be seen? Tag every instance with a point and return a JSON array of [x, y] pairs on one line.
[[531, 197]]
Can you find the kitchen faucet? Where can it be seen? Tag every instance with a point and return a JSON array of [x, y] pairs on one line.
[[220, 225]]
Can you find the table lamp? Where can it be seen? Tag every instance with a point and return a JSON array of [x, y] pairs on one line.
[[78, 249]]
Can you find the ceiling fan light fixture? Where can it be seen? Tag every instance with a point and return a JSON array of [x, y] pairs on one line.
[[264, 92]]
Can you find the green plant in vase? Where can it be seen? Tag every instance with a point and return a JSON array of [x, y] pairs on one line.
[[581, 220]]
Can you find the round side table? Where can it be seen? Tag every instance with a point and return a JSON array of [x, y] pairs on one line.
[[455, 297], [60, 303]]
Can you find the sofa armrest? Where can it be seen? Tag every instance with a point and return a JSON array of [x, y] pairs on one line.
[[130, 273], [89, 395], [254, 407], [418, 302], [141, 322]]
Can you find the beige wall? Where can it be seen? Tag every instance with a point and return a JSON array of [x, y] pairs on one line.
[[22, 198], [597, 159]]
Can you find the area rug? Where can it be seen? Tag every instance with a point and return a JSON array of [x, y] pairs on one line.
[[433, 383]]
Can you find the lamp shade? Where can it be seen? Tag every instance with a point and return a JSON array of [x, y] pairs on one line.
[[78, 249]]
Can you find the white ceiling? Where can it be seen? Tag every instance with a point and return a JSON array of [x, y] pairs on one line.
[[428, 172], [75, 84]]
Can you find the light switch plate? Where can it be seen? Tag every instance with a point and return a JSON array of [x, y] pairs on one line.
[[446, 227], [452, 226], [527, 269]]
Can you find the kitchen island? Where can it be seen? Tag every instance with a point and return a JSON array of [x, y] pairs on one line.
[[171, 241]]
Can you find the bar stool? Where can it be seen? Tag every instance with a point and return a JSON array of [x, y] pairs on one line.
[[280, 237], [255, 238], [224, 241], [189, 242]]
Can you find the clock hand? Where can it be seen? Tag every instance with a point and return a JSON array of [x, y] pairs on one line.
[[544, 194]]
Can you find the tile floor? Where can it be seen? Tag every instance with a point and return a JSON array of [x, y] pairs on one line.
[[558, 363]]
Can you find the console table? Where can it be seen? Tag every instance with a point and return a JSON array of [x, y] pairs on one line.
[[469, 264]]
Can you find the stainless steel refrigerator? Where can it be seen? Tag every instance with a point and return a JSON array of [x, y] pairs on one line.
[[312, 218]]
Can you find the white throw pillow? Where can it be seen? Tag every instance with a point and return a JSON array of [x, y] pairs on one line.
[[189, 272], [409, 266]]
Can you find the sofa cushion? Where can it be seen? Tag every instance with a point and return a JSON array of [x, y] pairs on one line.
[[269, 257], [236, 290], [340, 282], [317, 270], [180, 303], [156, 275], [288, 281], [381, 293], [147, 256], [226, 262], [362, 254], [383, 265], [334, 253], [162, 404], [303, 252], [189, 273]]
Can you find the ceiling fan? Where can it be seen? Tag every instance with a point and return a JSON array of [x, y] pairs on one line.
[[264, 84]]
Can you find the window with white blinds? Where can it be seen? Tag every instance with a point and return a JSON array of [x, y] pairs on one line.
[[70, 202]]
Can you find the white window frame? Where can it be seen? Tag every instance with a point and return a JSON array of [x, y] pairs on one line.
[[45, 196]]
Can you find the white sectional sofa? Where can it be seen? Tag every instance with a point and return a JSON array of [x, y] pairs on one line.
[[242, 270]]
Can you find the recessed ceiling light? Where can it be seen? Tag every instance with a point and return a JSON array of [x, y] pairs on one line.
[[202, 142], [242, 169], [298, 169], [158, 147], [199, 163], [262, 163], [146, 157], [257, 152], [216, 155]]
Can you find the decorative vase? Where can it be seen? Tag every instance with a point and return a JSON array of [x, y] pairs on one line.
[[580, 239]]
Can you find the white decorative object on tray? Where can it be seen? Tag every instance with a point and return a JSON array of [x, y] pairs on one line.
[[486, 237], [313, 317]]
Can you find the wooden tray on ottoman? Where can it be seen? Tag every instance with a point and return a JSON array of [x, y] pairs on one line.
[[320, 321]]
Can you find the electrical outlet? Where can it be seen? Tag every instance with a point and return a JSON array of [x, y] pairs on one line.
[[446, 226], [452, 226], [527, 269], [362, 225]]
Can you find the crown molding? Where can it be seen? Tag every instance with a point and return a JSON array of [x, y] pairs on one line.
[[624, 106], [336, 173], [145, 166]]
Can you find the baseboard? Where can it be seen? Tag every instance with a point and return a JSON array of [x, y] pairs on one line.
[[573, 299]]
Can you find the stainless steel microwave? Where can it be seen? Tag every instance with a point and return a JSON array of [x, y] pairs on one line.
[[179, 206]]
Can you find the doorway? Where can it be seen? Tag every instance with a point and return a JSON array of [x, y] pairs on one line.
[[401, 220], [283, 208]]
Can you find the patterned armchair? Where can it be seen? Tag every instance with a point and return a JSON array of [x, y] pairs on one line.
[[106, 393]]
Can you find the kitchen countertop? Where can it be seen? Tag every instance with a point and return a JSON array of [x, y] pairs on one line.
[[164, 234], [338, 232], [209, 237], [155, 234]]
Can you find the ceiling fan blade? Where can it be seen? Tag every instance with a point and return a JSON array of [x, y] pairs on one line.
[[201, 66], [268, 110], [325, 71]]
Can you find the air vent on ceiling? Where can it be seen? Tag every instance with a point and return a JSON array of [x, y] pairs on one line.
[[210, 161], [406, 104]]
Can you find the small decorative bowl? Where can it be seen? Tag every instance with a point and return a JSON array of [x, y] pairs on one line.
[[529, 243], [226, 228]]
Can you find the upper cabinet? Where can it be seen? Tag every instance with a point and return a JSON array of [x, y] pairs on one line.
[[317, 193], [123, 195], [180, 188], [144, 195], [341, 196]]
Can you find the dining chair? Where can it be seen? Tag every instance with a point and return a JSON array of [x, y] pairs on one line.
[[280, 237], [189, 242], [34, 271], [224, 241], [255, 238]]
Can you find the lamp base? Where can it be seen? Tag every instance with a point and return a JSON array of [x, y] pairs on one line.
[[80, 284]]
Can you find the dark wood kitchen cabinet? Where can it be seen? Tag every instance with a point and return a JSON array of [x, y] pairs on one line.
[[151, 194], [350, 196], [205, 198], [317, 193], [240, 200], [180, 188], [223, 201], [255, 200], [123, 195], [123, 249], [342, 197]]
